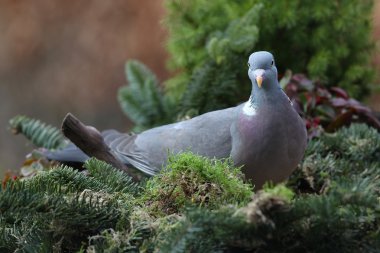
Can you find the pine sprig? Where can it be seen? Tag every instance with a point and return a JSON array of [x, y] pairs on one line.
[[27, 237], [39, 133], [221, 80], [72, 216], [143, 100], [221, 91], [64, 180], [102, 177], [202, 230], [350, 152], [114, 180]]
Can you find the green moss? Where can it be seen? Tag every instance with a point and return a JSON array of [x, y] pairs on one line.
[[279, 190], [189, 179]]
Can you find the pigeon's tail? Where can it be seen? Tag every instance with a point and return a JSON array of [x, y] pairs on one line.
[[72, 154]]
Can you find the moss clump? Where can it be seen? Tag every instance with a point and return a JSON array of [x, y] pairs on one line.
[[189, 179]]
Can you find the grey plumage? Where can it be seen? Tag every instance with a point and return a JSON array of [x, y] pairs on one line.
[[265, 135]]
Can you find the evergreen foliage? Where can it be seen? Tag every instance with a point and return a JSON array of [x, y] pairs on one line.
[[216, 77], [327, 40], [115, 241], [221, 89], [142, 100], [349, 153], [60, 208], [193, 25], [330, 204], [203, 230], [39, 133], [55, 219], [111, 178]]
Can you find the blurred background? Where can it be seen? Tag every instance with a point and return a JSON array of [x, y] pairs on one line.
[[58, 57]]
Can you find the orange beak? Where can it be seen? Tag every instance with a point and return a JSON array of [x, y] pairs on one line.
[[259, 73], [259, 80]]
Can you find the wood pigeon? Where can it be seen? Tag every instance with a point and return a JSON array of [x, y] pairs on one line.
[[264, 135]]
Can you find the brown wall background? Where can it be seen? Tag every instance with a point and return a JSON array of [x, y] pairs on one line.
[[68, 56]]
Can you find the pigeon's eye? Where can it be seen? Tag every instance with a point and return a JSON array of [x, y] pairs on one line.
[[272, 62], [249, 65]]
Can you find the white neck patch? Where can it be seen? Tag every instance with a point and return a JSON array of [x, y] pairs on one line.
[[248, 108]]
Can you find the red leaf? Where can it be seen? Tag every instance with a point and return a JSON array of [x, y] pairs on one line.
[[323, 92], [308, 124], [358, 107], [339, 121], [316, 120], [339, 92], [298, 77], [339, 102], [372, 120]]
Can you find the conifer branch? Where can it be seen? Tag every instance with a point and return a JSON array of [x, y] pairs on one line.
[[38, 132]]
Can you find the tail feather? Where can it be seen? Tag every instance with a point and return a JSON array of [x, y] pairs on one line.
[[70, 153]]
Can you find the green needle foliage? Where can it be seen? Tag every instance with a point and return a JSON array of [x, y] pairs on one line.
[[349, 153], [39, 133], [214, 72], [329, 204], [67, 220], [142, 100], [210, 41], [60, 208], [111, 178], [203, 230]]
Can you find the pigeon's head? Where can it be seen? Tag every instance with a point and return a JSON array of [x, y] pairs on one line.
[[262, 70]]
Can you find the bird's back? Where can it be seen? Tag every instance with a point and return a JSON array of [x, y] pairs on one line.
[[207, 135]]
